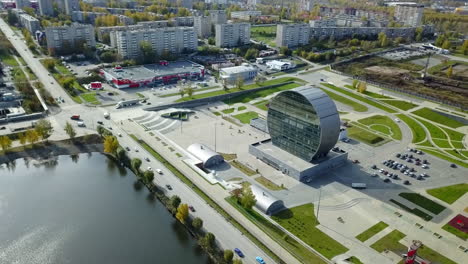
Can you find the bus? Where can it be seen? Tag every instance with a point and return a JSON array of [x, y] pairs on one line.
[[357, 185]]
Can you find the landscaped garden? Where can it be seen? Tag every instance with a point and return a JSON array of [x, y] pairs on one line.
[[383, 124], [355, 105], [371, 231], [449, 194], [438, 118], [246, 117], [266, 34], [364, 136]]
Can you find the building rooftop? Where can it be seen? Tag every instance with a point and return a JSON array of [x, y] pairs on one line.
[[238, 69], [153, 70]]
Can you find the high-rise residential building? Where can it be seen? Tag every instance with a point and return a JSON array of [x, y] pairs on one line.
[[202, 25], [187, 3], [232, 35], [32, 24], [252, 4], [307, 5], [174, 40], [409, 14], [45, 7], [292, 35], [20, 4], [70, 6], [65, 39], [218, 17], [183, 21]]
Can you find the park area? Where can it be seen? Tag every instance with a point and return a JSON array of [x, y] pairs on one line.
[[458, 226], [382, 124], [362, 135], [265, 34], [449, 194]]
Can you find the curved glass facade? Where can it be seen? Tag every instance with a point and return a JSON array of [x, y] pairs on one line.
[[294, 122]]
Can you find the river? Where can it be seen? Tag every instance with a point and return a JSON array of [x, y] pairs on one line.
[[85, 209]]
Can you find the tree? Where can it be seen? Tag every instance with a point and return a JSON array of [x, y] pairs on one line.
[[189, 91], [120, 154], [182, 92], [70, 130], [147, 52], [251, 53], [211, 41], [32, 136], [247, 199], [228, 255], [197, 223], [355, 84], [111, 144], [49, 64], [259, 80], [136, 164], [101, 130], [285, 51], [208, 240], [446, 44], [5, 142], [148, 176], [362, 87], [22, 138], [440, 40], [237, 261], [108, 56], [182, 213], [239, 82], [449, 72], [11, 18], [44, 128], [464, 47], [175, 201]]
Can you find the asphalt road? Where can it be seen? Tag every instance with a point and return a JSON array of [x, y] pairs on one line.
[[227, 235], [39, 70]]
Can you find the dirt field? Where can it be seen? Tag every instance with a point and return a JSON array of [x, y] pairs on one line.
[[386, 70]]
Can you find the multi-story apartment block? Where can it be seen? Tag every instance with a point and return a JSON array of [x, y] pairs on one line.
[[125, 20], [85, 17], [218, 17], [292, 35], [184, 21], [104, 32], [70, 6], [245, 15], [409, 14], [232, 35], [20, 4], [202, 25], [66, 38], [32, 24], [348, 32], [45, 7], [175, 40]]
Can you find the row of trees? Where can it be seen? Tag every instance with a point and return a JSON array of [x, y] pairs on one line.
[[42, 130]]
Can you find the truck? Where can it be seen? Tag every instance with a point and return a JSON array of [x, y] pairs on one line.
[[126, 103], [358, 185], [75, 117]]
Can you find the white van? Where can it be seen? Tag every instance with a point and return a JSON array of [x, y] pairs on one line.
[[159, 171], [81, 124]]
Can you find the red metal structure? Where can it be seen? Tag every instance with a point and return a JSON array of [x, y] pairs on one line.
[[412, 256]]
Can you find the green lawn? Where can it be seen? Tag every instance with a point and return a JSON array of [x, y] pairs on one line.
[[360, 98], [371, 231], [415, 211], [371, 94], [228, 111], [9, 60], [245, 98], [364, 136], [240, 108], [197, 90], [424, 202], [438, 118], [354, 260], [383, 124], [246, 117], [355, 105], [449, 194], [455, 231], [434, 130], [240, 166], [90, 98], [454, 135], [268, 184], [301, 253], [140, 95], [419, 134], [265, 34], [403, 105], [444, 157], [262, 105], [390, 242], [301, 221], [442, 143], [62, 69], [427, 253]]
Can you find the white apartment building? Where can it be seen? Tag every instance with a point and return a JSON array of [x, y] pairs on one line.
[[172, 39], [231, 74], [409, 14], [45, 7], [104, 32], [232, 35], [183, 21], [20, 4], [292, 35], [245, 15], [202, 25], [32, 24], [218, 17], [70, 6], [60, 38]]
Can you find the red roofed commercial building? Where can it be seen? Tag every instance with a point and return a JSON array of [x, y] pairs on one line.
[[153, 74]]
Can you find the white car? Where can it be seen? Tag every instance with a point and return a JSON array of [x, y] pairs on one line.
[[159, 171], [149, 168], [424, 166]]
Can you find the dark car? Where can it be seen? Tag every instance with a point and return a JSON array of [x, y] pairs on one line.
[[374, 167], [406, 182], [453, 165], [2, 128], [191, 208], [387, 180], [127, 148], [239, 252], [398, 155], [100, 122], [110, 93], [169, 187]]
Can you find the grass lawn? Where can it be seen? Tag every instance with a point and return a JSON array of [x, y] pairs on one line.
[[364, 136], [268, 184], [383, 124], [419, 134], [449, 194], [246, 87], [454, 135], [403, 105], [262, 105], [390, 242], [240, 166], [355, 105], [228, 156], [228, 111], [90, 98], [371, 231], [354, 260], [434, 130], [455, 231], [194, 91], [291, 245], [301, 221], [438, 118], [441, 143], [444, 157], [360, 98], [427, 253], [424, 202], [414, 211], [217, 113], [62, 69], [140, 95], [22, 61], [265, 34], [246, 117], [9, 60], [371, 94], [245, 98], [240, 108]]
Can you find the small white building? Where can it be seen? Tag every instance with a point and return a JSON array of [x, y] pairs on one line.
[[245, 71], [279, 65]]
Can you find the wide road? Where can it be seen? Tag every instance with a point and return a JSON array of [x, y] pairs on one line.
[[41, 72], [227, 235]]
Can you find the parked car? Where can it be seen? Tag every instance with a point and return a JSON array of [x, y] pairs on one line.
[[386, 180], [239, 252], [453, 165], [169, 187], [159, 171], [260, 260], [191, 208], [406, 182], [100, 122], [147, 159]]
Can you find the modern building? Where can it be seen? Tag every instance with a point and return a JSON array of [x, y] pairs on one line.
[[409, 14], [279, 65], [105, 34], [245, 15], [206, 156], [153, 74], [32, 24], [45, 7], [232, 35], [304, 126], [231, 74], [175, 40], [202, 25], [61, 39], [292, 35], [266, 202]]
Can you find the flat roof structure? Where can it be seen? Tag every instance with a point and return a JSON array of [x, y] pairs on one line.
[[238, 69]]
